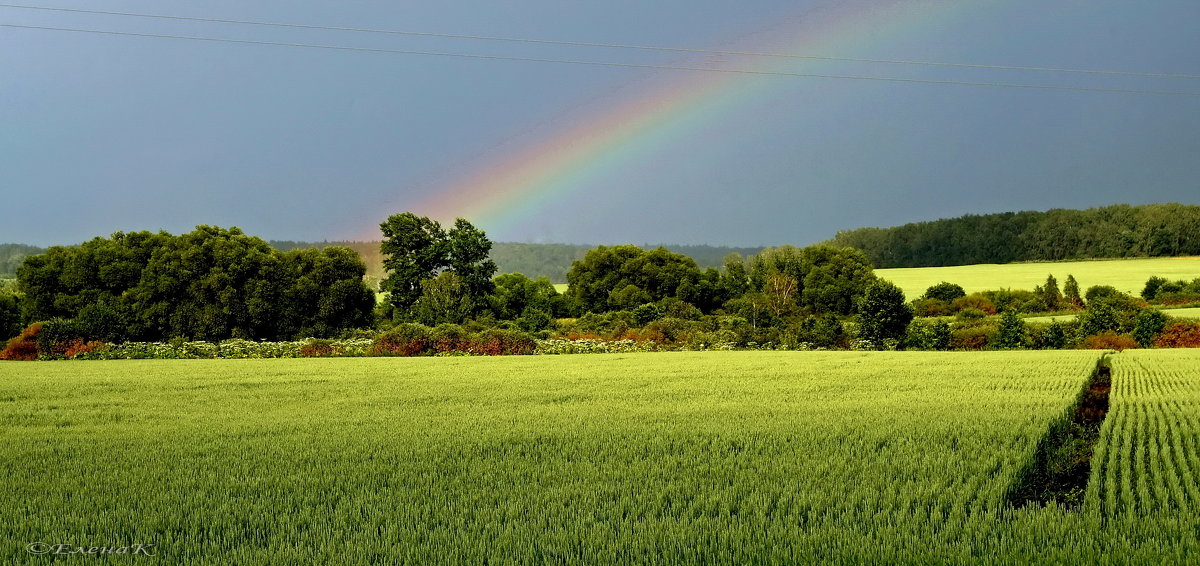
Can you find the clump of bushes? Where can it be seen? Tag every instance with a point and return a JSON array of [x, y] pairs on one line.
[[25, 346], [1183, 334], [412, 339]]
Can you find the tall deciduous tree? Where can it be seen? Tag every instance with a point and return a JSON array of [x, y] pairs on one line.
[[467, 256], [415, 248], [883, 313]]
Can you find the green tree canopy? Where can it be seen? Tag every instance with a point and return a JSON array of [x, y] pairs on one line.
[[210, 284], [624, 277]]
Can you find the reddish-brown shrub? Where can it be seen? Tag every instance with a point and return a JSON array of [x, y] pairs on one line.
[[974, 301], [583, 336], [78, 346], [24, 347], [1179, 335], [403, 340], [930, 307], [317, 349], [1109, 341], [971, 338], [496, 342]]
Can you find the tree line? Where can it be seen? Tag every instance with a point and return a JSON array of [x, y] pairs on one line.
[[215, 284], [208, 284], [1154, 230]]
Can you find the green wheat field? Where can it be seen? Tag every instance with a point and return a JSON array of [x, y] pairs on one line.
[[1127, 275], [669, 458]]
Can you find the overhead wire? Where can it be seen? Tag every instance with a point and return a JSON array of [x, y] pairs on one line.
[[606, 63], [609, 45]]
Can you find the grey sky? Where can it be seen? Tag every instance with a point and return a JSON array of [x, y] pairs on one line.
[[106, 133]]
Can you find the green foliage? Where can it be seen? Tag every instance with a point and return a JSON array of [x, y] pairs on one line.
[[647, 313], [935, 335], [883, 314], [10, 314], [1055, 336], [1152, 286], [1051, 299], [1161, 290], [1098, 317], [444, 299], [1149, 323], [1071, 293], [945, 292], [12, 255], [1154, 230], [624, 277], [821, 331], [533, 320], [415, 248], [1101, 292], [828, 279], [1012, 332], [515, 294], [468, 258], [1014, 299], [931, 307], [211, 284]]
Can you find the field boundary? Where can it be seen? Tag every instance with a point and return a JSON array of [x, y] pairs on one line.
[[1061, 465]]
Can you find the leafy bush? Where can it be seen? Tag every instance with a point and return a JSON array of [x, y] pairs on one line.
[[407, 339], [25, 346], [1012, 332], [1109, 341], [972, 337], [496, 342], [317, 348], [1053, 336], [1149, 323], [945, 292], [974, 301], [56, 335], [930, 307], [1183, 334], [929, 335]]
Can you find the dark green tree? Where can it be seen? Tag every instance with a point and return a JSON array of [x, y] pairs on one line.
[[828, 279], [210, 284], [1012, 332], [1153, 284], [468, 258], [1071, 293], [415, 248], [515, 294], [624, 277], [883, 313], [444, 299], [10, 315], [1149, 324], [944, 291], [1051, 297], [1099, 316]]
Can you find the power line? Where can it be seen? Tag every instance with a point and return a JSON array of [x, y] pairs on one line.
[[606, 63], [613, 45]]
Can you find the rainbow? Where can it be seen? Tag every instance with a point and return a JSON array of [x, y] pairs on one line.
[[514, 187]]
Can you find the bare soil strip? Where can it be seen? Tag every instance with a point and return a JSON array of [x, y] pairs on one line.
[[1060, 467]]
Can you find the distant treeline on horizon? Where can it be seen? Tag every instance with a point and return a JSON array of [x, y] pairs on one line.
[[1118, 231]]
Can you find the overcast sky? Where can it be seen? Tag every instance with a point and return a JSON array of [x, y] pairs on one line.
[[114, 132]]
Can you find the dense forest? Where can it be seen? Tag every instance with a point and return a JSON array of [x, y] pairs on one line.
[[11, 256], [1153, 230]]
